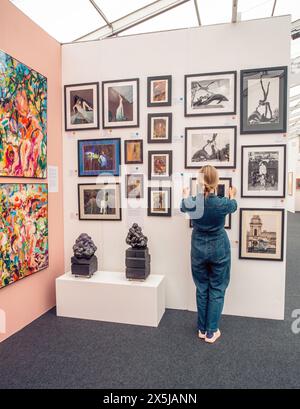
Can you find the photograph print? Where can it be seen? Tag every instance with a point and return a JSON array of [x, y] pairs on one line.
[[81, 106], [263, 171], [261, 234], [264, 100], [214, 146], [160, 128], [159, 165], [133, 151], [135, 186], [120, 103], [159, 201], [159, 91], [210, 94], [99, 157]]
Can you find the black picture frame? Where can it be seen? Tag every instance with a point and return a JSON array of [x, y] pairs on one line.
[[133, 162], [168, 153], [127, 177], [263, 127], [167, 115], [168, 102], [160, 189]]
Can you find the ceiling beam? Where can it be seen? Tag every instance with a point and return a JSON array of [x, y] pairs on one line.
[[197, 12], [234, 11], [273, 9], [100, 12]]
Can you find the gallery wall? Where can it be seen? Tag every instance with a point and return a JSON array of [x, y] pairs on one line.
[[257, 287], [27, 299]]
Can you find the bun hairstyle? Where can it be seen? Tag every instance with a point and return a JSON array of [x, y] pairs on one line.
[[208, 177]]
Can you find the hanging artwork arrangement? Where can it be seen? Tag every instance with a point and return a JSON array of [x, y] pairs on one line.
[[23, 120], [160, 128], [159, 165], [264, 100], [23, 230], [210, 94], [135, 186], [214, 146], [263, 171], [99, 157], [120, 103], [81, 106], [159, 91], [133, 151], [290, 183], [159, 201]]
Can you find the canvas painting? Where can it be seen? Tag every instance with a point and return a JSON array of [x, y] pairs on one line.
[[23, 120], [160, 128], [133, 151], [135, 186], [159, 201], [159, 165], [159, 91], [23, 230]]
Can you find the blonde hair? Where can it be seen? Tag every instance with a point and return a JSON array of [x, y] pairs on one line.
[[208, 177]]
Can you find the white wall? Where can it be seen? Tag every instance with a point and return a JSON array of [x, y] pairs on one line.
[[257, 287]]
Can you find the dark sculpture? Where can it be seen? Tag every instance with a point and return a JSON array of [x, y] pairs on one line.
[[84, 246], [84, 262], [135, 237], [137, 257]]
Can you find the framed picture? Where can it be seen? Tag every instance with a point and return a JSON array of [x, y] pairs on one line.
[[159, 91], [159, 201], [263, 171], [135, 186], [98, 157], [23, 119], [160, 165], [214, 146], [261, 234], [133, 151], [290, 183], [120, 103], [264, 100], [298, 184], [160, 128], [81, 106], [99, 201], [24, 230], [210, 94]]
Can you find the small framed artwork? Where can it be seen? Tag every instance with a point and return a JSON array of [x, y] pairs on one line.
[[160, 128], [298, 184], [99, 201], [99, 157], [133, 151], [290, 183], [264, 100], [159, 201], [81, 106], [160, 165], [159, 91], [135, 186], [120, 103], [214, 146], [261, 234], [210, 94], [263, 171]]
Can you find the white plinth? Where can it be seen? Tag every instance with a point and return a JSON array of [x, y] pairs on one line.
[[108, 296]]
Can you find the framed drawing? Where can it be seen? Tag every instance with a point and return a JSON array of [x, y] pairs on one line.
[[99, 157], [99, 201], [159, 91], [261, 234], [159, 201], [264, 100], [120, 103], [81, 106], [135, 186], [298, 184], [263, 171], [133, 151], [23, 120], [160, 128], [214, 146], [160, 165], [210, 94], [24, 230], [290, 183]]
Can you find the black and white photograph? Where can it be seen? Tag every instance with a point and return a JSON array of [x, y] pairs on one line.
[[261, 234], [263, 171], [214, 146], [160, 128], [159, 201], [210, 94], [264, 100]]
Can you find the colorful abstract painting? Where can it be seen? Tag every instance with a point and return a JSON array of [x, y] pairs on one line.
[[23, 230], [23, 120]]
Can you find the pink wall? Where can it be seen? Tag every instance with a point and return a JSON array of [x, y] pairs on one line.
[[29, 298]]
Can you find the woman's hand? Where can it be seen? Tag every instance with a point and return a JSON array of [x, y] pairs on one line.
[[186, 192], [232, 192]]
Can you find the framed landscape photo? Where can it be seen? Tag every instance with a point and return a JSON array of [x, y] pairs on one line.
[[159, 201], [159, 165], [99, 201], [214, 146], [99, 157], [263, 171], [261, 234], [81, 106], [133, 151], [135, 186], [159, 91], [290, 183], [264, 100], [210, 94], [120, 103], [160, 128]]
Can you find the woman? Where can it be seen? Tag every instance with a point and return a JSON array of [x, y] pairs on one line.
[[210, 252]]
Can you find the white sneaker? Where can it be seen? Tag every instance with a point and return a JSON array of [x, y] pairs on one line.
[[201, 335], [215, 336]]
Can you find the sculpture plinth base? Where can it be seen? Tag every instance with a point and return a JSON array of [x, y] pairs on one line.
[[84, 267], [137, 263]]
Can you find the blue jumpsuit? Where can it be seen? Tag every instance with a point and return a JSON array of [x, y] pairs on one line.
[[210, 257]]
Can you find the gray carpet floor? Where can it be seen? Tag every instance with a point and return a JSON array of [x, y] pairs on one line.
[[69, 353]]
